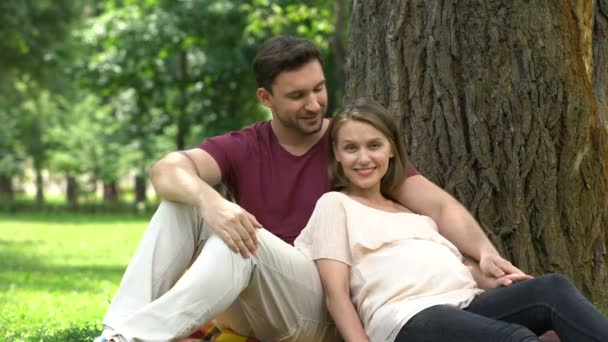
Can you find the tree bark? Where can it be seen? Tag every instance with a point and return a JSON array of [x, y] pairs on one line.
[[497, 106], [600, 57]]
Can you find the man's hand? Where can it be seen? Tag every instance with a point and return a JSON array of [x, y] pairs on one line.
[[511, 279], [488, 281], [234, 225], [492, 264]]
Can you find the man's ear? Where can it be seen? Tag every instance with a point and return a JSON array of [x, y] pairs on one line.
[[264, 96]]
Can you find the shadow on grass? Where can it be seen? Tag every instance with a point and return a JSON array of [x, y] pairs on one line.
[[47, 334], [26, 271], [69, 218]]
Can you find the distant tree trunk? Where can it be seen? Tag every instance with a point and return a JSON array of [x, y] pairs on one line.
[[110, 191], [182, 116], [72, 190], [7, 193], [140, 189], [498, 107], [39, 184]]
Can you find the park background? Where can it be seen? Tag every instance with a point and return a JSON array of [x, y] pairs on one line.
[[502, 103]]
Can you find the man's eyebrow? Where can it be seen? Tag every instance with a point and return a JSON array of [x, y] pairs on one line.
[[293, 92]]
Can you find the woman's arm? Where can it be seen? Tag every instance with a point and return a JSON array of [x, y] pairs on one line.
[[335, 279]]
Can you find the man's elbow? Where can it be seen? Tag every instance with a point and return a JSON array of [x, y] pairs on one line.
[[161, 168]]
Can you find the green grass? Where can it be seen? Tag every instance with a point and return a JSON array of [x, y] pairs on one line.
[[58, 272]]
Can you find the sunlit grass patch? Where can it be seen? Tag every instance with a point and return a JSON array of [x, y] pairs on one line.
[[58, 273]]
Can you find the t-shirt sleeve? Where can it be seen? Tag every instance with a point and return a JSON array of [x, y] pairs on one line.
[[225, 149], [411, 170], [329, 231]]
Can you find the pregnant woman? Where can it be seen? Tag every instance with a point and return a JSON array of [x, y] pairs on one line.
[[389, 275]]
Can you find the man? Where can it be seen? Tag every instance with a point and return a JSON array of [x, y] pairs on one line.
[[204, 257]]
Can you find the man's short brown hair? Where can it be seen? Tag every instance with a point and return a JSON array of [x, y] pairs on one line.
[[283, 53]]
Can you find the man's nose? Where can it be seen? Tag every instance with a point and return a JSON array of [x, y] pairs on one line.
[[313, 104]]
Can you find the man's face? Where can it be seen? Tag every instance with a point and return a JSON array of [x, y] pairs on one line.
[[299, 99]]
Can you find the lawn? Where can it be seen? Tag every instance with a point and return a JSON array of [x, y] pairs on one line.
[[58, 272]]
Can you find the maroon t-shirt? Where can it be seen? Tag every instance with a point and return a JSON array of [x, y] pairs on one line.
[[278, 188]]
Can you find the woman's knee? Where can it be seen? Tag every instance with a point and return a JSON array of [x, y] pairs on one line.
[[555, 283]]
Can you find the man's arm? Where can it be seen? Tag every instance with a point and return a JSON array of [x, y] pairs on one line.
[[335, 279], [487, 282], [454, 222], [188, 177]]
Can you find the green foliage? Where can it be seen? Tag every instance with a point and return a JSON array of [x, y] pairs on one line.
[[308, 19], [30, 30], [104, 88]]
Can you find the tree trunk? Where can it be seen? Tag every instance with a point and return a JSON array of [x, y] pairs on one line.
[[498, 107], [140, 189], [182, 116], [600, 57], [39, 185], [110, 192], [71, 190], [7, 193], [336, 42]]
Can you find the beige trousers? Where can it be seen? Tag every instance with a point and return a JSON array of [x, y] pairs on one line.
[[182, 275]]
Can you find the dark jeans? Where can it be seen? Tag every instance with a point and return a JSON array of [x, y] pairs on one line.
[[520, 312]]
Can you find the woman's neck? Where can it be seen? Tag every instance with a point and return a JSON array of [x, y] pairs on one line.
[[370, 196]]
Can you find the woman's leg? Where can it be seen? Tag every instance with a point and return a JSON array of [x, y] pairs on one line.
[[449, 324], [549, 302]]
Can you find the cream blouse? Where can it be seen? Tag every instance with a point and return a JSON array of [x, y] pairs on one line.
[[399, 263]]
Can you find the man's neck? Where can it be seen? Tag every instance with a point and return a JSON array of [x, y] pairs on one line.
[[294, 142]]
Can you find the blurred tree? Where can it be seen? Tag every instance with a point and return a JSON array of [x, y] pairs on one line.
[[106, 87], [31, 40]]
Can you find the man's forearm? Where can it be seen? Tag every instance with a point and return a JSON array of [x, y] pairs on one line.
[[463, 231], [175, 178]]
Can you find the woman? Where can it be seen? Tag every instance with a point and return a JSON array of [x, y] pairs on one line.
[[389, 275]]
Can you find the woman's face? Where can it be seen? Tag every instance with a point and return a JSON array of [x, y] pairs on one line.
[[364, 153]]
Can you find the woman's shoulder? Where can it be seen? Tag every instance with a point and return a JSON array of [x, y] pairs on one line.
[[332, 196], [332, 200]]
